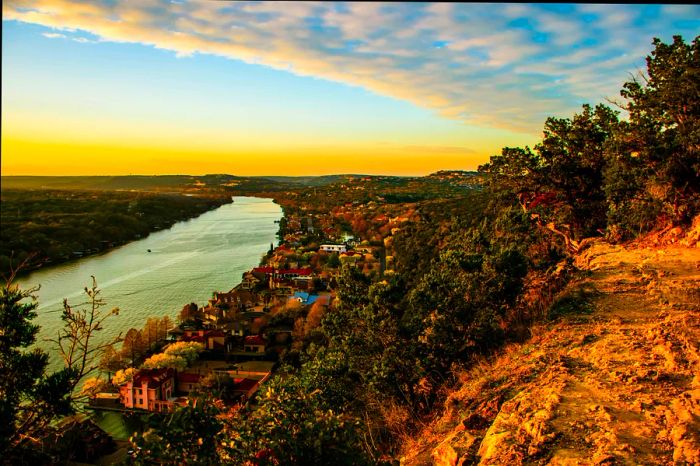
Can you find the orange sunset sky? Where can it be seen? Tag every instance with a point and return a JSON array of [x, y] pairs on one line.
[[258, 88]]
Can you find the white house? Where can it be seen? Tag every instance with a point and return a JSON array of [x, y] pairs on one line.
[[333, 248]]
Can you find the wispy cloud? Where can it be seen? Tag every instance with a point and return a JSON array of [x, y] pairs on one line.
[[54, 35], [506, 66]]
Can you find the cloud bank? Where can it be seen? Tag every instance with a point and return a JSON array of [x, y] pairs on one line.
[[494, 65]]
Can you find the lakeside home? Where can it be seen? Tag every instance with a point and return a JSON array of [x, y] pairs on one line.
[[148, 389]]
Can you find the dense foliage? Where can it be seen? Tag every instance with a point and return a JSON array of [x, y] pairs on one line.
[[595, 174], [29, 397], [467, 268]]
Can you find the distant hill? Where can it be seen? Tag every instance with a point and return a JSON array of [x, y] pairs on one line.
[[322, 180], [161, 183], [137, 182], [457, 177], [143, 183]]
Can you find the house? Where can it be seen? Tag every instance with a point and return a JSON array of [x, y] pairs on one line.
[[187, 381], [333, 248], [191, 333], [250, 281], [254, 343], [304, 298], [324, 299], [303, 283], [213, 314], [262, 273], [237, 329], [175, 334], [281, 287], [245, 387], [223, 298], [293, 273], [213, 340], [149, 389]]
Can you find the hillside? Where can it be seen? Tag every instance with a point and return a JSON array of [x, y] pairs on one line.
[[614, 378]]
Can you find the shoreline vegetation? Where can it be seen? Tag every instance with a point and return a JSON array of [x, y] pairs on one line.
[[411, 284], [50, 227]]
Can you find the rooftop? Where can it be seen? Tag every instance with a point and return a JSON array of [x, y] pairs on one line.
[[153, 377]]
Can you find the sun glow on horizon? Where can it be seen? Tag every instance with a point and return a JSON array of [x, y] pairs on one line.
[[305, 89]]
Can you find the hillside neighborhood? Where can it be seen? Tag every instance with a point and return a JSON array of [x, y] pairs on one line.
[[231, 345]]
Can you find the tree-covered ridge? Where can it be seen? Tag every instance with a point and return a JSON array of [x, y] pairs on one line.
[[55, 226], [153, 183]]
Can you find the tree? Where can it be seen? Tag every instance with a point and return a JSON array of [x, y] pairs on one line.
[[165, 325], [78, 342], [314, 317], [661, 143], [333, 261], [124, 375], [94, 385], [188, 350], [111, 360], [189, 435], [133, 346], [188, 312], [163, 360], [560, 185], [150, 332], [29, 398], [291, 425]]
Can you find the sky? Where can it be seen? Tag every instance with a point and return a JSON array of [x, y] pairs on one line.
[[261, 88]]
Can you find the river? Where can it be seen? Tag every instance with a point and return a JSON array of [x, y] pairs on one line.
[[186, 264]]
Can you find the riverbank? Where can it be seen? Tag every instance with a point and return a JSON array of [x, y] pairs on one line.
[[186, 263], [50, 227]]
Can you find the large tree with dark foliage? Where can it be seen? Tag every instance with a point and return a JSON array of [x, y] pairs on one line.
[[29, 398], [654, 163], [593, 173], [560, 183]]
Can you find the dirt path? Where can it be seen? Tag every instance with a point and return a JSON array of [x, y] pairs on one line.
[[616, 381]]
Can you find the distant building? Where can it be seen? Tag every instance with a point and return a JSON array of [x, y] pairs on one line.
[[333, 248], [293, 272], [304, 298], [213, 340], [254, 343], [186, 381], [250, 281]]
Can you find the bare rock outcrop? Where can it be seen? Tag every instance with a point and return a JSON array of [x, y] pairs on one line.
[[615, 382]]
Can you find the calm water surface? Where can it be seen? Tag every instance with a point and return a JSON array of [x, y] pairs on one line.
[[186, 264]]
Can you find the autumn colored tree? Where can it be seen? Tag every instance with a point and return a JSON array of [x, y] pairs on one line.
[[188, 312], [78, 340], [111, 360], [133, 346]]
